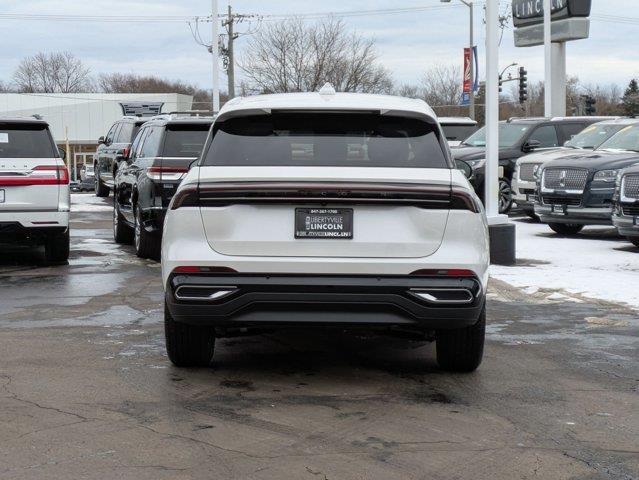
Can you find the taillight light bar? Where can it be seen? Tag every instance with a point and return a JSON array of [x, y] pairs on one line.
[[40, 175], [426, 196], [166, 173]]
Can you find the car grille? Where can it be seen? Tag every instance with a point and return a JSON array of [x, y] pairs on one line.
[[631, 186], [556, 200], [527, 171], [565, 179], [632, 211]]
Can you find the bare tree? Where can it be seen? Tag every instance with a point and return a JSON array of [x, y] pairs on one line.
[[441, 85], [292, 56], [59, 72]]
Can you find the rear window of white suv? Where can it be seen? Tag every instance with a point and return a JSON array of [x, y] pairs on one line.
[[326, 139], [18, 140]]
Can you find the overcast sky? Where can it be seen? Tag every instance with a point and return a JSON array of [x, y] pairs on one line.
[[407, 43]]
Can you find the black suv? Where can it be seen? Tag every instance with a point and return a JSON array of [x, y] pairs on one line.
[[578, 190], [111, 150], [149, 174], [517, 137]]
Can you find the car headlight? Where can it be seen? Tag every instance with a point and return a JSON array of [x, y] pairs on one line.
[[477, 163], [608, 176], [536, 170]]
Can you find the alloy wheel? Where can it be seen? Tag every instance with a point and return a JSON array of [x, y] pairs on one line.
[[505, 196]]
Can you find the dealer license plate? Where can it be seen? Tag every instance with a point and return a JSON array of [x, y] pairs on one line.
[[558, 209], [324, 223]]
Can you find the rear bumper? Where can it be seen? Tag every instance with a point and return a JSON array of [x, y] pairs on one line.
[[36, 220], [294, 300], [574, 215]]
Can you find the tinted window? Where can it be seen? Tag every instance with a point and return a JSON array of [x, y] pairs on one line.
[[137, 143], [327, 139], [569, 130], [458, 133], [152, 142], [185, 140], [510, 134], [26, 141], [546, 136]]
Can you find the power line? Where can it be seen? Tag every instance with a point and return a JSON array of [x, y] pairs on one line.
[[98, 18]]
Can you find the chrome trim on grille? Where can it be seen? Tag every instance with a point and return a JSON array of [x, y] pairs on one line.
[[570, 180], [527, 171], [630, 188]]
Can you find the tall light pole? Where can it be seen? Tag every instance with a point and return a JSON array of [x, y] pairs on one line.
[[215, 56], [472, 55]]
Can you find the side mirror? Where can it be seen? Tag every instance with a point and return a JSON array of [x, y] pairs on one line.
[[531, 146], [63, 153], [101, 140], [466, 169]]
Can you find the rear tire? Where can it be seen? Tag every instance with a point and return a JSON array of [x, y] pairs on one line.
[[146, 245], [122, 232], [566, 228], [462, 349], [634, 241], [188, 345], [101, 190], [56, 248]]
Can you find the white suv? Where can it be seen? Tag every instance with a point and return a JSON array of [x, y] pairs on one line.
[[321, 209], [34, 188]]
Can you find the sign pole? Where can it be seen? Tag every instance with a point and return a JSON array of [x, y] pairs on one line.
[[548, 85]]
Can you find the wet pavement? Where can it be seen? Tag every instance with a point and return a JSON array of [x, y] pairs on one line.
[[86, 390]]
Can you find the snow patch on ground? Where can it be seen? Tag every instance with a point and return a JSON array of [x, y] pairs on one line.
[[596, 264], [88, 202]]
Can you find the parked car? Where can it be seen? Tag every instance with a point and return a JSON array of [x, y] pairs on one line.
[[577, 190], [457, 129], [111, 150], [524, 179], [318, 209], [517, 137], [148, 176], [34, 188], [625, 214]]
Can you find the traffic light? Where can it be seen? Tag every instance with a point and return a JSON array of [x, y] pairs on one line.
[[591, 103], [501, 84], [523, 85]]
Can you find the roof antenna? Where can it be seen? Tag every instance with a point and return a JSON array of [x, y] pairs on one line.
[[327, 89]]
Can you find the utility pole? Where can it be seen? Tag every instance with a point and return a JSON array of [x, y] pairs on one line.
[[230, 69], [472, 62], [215, 54]]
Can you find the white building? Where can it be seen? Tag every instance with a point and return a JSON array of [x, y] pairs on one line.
[[81, 118]]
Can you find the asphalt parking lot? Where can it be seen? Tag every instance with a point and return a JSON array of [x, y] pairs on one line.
[[86, 390]]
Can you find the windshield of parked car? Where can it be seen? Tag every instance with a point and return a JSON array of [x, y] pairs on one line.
[[26, 141], [626, 139], [327, 139], [185, 140], [593, 136], [510, 134], [458, 133]]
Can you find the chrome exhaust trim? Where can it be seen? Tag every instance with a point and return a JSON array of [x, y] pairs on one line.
[[203, 292], [444, 296]]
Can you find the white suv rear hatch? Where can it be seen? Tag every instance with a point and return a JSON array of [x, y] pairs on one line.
[[385, 179], [29, 168]]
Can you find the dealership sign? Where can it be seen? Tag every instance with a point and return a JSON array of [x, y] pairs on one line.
[[569, 21]]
